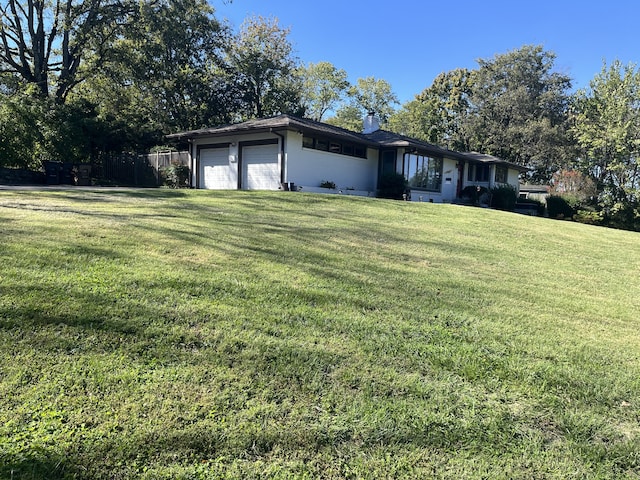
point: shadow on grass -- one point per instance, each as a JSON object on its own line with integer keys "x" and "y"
{"x": 37, "y": 465}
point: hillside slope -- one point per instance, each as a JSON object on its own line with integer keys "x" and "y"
{"x": 191, "y": 334}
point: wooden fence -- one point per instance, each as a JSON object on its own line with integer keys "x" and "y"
{"x": 139, "y": 170}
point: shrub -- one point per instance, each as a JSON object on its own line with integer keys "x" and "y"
{"x": 474, "y": 194}
{"x": 540, "y": 206}
{"x": 559, "y": 207}
{"x": 625, "y": 216}
{"x": 504, "y": 197}
{"x": 590, "y": 217}
{"x": 393, "y": 185}
{"x": 327, "y": 184}
{"x": 175, "y": 175}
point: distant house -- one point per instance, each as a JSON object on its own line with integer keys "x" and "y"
{"x": 287, "y": 152}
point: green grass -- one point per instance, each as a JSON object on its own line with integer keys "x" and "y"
{"x": 189, "y": 334}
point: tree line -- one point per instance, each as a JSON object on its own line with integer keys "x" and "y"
{"x": 80, "y": 78}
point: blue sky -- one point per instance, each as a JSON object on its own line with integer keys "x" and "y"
{"x": 409, "y": 42}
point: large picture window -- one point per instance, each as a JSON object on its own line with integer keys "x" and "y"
{"x": 422, "y": 172}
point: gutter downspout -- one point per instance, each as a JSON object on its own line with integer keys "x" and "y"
{"x": 192, "y": 163}
{"x": 283, "y": 176}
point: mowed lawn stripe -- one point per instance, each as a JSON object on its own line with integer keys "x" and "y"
{"x": 193, "y": 334}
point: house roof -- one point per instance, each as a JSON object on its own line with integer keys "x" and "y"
{"x": 280, "y": 122}
{"x": 377, "y": 139}
{"x": 490, "y": 159}
{"x": 385, "y": 138}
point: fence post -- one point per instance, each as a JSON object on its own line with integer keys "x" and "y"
{"x": 157, "y": 168}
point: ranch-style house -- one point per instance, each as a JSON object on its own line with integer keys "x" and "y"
{"x": 287, "y": 152}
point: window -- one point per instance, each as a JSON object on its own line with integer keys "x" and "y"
{"x": 478, "y": 172}
{"x": 333, "y": 146}
{"x": 308, "y": 142}
{"x": 502, "y": 174}
{"x": 322, "y": 144}
{"x": 424, "y": 173}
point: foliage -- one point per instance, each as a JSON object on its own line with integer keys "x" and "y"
{"x": 561, "y": 206}
{"x": 349, "y": 116}
{"x": 323, "y": 87}
{"x": 540, "y": 206}
{"x": 36, "y": 129}
{"x": 519, "y": 110}
{"x": 367, "y": 95}
{"x": 504, "y": 197}
{"x": 393, "y": 185}
{"x": 438, "y": 114}
{"x": 589, "y": 216}
{"x": 167, "y": 75}
{"x": 606, "y": 125}
{"x": 261, "y": 57}
{"x": 20, "y": 136}
{"x": 176, "y": 175}
{"x": 337, "y": 337}
{"x": 327, "y": 184}
{"x": 475, "y": 195}
{"x": 575, "y": 183}
{"x": 54, "y": 46}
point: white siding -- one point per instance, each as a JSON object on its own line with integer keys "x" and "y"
{"x": 309, "y": 167}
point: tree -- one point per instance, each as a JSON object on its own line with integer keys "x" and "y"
{"x": 520, "y": 111}
{"x": 437, "y": 115}
{"x": 606, "y": 125}
{"x": 167, "y": 75}
{"x": 367, "y": 95}
{"x": 262, "y": 59}
{"x": 323, "y": 87}
{"x": 46, "y": 43}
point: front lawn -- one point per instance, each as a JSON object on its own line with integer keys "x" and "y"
{"x": 191, "y": 334}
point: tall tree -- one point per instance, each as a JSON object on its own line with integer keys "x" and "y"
{"x": 606, "y": 125}
{"x": 438, "y": 114}
{"x": 45, "y": 42}
{"x": 265, "y": 67}
{"x": 520, "y": 110}
{"x": 367, "y": 95}
{"x": 323, "y": 87}
{"x": 168, "y": 73}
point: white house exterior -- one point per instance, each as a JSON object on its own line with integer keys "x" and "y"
{"x": 286, "y": 152}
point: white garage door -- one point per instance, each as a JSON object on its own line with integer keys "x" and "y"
{"x": 215, "y": 170}
{"x": 260, "y": 167}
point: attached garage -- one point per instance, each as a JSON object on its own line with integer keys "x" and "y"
{"x": 260, "y": 167}
{"x": 216, "y": 172}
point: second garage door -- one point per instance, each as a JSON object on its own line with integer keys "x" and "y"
{"x": 260, "y": 169}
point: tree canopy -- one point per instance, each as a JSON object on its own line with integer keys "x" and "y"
{"x": 46, "y": 44}
{"x": 606, "y": 125}
{"x": 324, "y": 86}
{"x": 262, "y": 59}
{"x": 368, "y": 95}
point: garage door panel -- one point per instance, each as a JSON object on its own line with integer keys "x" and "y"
{"x": 261, "y": 170}
{"x": 215, "y": 170}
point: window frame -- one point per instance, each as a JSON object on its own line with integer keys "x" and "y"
{"x": 503, "y": 172}
{"x": 330, "y": 145}
{"x": 429, "y": 168}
